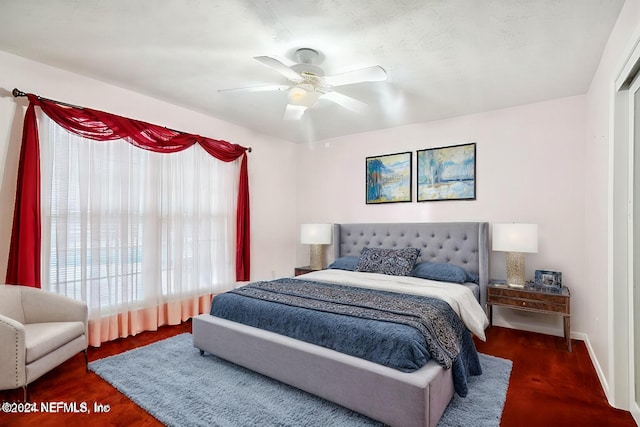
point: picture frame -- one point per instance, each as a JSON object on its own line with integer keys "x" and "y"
{"x": 446, "y": 173}
{"x": 388, "y": 178}
{"x": 548, "y": 278}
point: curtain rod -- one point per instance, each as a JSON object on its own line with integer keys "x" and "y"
{"x": 18, "y": 93}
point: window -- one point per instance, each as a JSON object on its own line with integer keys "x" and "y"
{"x": 126, "y": 228}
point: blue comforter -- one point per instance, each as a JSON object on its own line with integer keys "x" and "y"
{"x": 383, "y": 327}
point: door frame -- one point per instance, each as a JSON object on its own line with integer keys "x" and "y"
{"x": 625, "y": 236}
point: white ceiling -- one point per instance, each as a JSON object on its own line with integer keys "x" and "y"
{"x": 444, "y": 58}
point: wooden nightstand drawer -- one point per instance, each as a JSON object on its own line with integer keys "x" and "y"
{"x": 527, "y": 299}
{"x": 531, "y": 304}
{"x": 528, "y": 295}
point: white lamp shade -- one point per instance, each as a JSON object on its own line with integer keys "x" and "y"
{"x": 515, "y": 237}
{"x": 316, "y": 234}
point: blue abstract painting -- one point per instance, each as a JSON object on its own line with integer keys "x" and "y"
{"x": 447, "y": 173}
{"x": 388, "y": 178}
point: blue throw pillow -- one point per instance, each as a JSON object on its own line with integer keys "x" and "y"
{"x": 443, "y": 272}
{"x": 395, "y": 262}
{"x": 348, "y": 263}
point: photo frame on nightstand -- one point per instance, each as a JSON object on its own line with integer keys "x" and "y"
{"x": 548, "y": 278}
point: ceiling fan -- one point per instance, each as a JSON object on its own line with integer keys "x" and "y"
{"x": 308, "y": 83}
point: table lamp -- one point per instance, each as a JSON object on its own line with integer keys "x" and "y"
{"x": 316, "y": 235}
{"x": 515, "y": 240}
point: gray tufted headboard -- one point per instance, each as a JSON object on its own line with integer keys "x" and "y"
{"x": 465, "y": 244}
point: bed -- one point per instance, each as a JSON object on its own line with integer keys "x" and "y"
{"x": 393, "y": 396}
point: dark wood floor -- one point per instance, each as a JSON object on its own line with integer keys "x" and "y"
{"x": 549, "y": 386}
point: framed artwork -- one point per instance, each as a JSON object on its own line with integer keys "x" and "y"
{"x": 548, "y": 278}
{"x": 388, "y": 178}
{"x": 447, "y": 173}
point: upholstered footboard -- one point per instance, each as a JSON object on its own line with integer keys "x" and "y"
{"x": 393, "y": 397}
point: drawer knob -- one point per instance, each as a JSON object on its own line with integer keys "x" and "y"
{"x": 524, "y": 303}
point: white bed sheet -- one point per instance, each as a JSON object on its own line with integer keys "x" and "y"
{"x": 460, "y": 298}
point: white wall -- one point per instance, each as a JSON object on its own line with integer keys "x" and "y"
{"x": 530, "y": 168}
{"x": 272, "y": 205}
{"x": 606, "y": 187}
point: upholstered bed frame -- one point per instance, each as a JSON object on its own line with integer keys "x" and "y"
{"x": 393, "y": 397}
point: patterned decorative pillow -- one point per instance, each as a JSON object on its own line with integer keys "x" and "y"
{"x": 345, "y": 263}
{"x": 443, "y": 272}
{"x": 395, "y": 262}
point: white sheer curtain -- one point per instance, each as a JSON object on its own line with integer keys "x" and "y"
{"x": 143, "y": 238}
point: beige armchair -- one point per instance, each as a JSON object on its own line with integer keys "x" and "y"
{"x": 38, "y": 331}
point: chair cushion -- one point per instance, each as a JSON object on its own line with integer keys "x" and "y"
{"x": 43, "y": 338}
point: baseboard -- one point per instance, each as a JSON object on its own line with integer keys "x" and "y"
{"x": 529, "y": 327}
{"x": 594, "y": 361}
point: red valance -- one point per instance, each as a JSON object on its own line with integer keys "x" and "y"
{"x": 24, "y": 254}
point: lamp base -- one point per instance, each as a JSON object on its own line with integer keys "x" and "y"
{"x": 515, "y": 269}
{"x": 316, "y": 256}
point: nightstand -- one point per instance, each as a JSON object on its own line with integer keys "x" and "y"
{"x": 303, "y": 270}
{"x": 533, "y": 299}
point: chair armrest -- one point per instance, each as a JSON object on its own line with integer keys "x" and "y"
{"x": 12, "y": 354}
{"x": 42, "y": 306}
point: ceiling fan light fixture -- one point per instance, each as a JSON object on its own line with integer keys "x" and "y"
{"x": 307, "y": 82}
{"x": 304, "y": 97}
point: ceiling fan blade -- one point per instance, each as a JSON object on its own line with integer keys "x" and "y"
{"x": 370, "y": 74}
{"x": 345, "y": 101}
{"x": 294, "y": 112}
{"x": 265, "y": 88}
{"x": 278, "y": 66}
